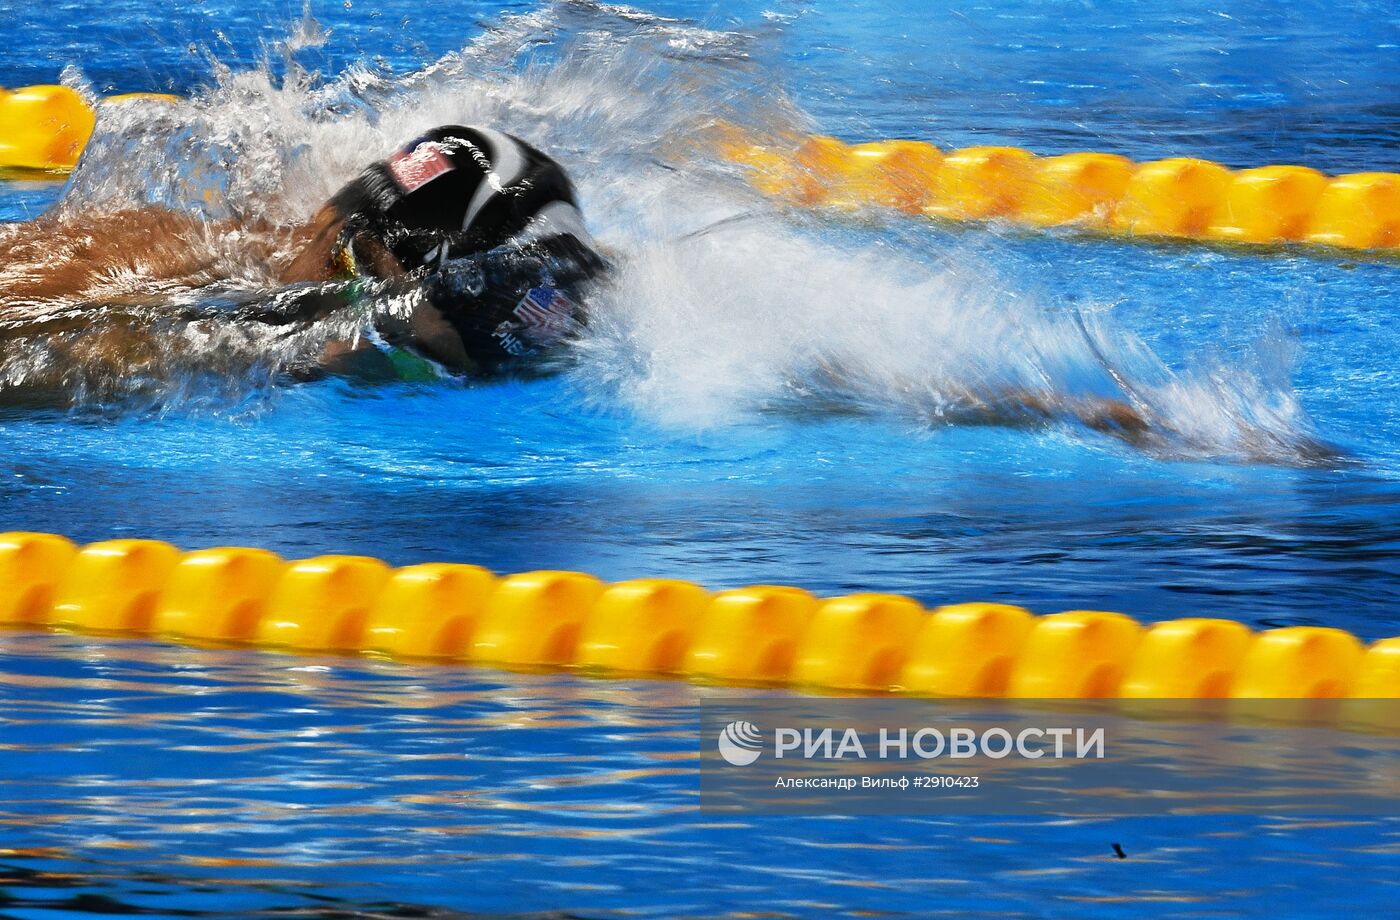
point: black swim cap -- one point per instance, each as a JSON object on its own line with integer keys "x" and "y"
{"x": 453, "y": 192}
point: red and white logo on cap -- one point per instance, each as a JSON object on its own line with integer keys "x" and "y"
{"x": 415, "y": 168}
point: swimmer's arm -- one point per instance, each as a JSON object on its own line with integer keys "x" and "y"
{"x": 102, "y": 256}
{"x": 1108, "y": 416}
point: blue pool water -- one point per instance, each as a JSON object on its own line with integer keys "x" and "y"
{"x": 698, "y": 432}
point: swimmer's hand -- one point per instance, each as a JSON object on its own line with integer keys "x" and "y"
{"x": 316, "y": 260}
{"x": 362, "y": 362}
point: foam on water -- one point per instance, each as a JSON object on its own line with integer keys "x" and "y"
{"x": 725, "y": 304}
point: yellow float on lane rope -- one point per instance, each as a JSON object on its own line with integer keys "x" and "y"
{"x": 869, "y": 643}
{"x": 1178, "y": 197}
{"x": 43, "y": 127}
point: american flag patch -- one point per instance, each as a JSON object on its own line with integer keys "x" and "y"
{"x": 546, "y": 314}
{"x": 415, "y": 168}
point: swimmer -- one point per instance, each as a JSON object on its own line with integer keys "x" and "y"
{"x": 481, "y": 227}
{"x": 484, "y": 225}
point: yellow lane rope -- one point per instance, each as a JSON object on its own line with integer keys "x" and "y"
{"x": 772, "y": 635}
{"x": 44, "y": 128}
{"x": 1096, "y": 192}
